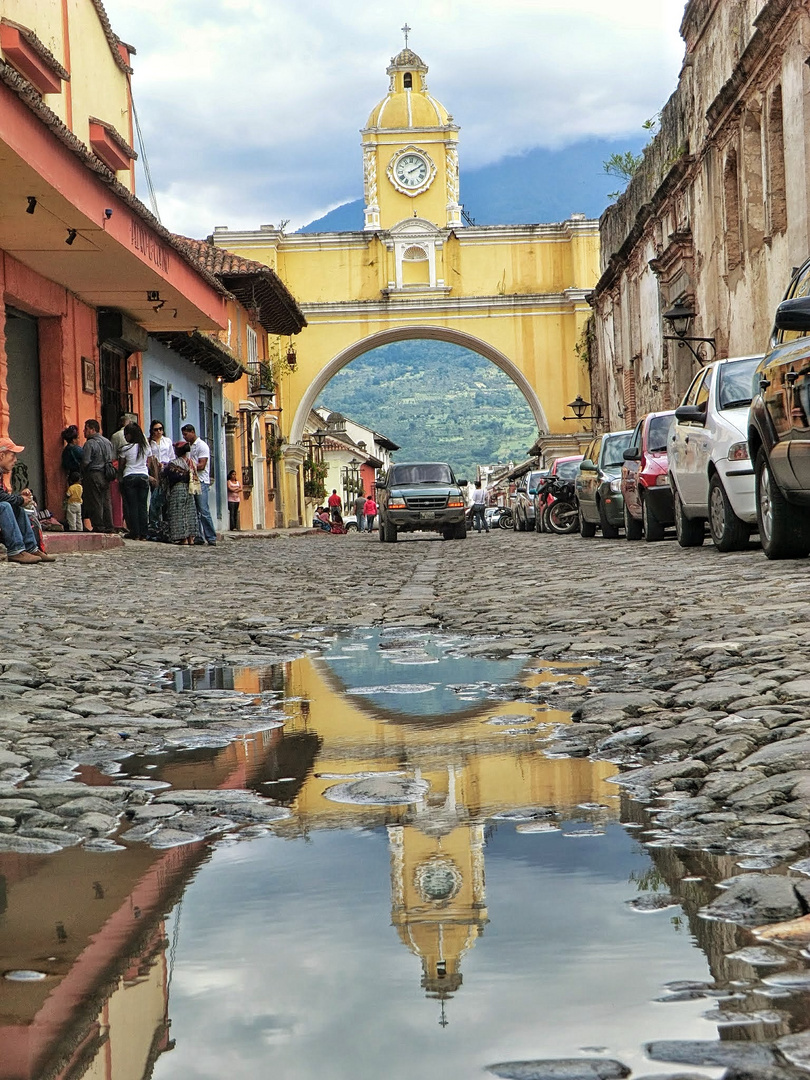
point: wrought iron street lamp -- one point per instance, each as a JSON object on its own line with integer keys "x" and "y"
{"x": 292, "y": 357}
{"x": 579, "y": 407}
{"x": 680, "y": 317}
{"x": 262, "y": 397}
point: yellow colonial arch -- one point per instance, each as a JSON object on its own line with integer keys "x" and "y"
{"x": 515, "y": 294}
{"x": 410, "y": 333}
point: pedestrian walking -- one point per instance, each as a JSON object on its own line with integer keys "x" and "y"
{"x": 370, "y": 512}
{"x": 98, "y": 469}
{"x": 360, "y": 511}
{"x": 73, "y": 502}
{"x": 135, "y": 463}
{"x": 335, "y": 504}
{"x": 234, "y": 500}
{"x": 200, "y": 455}
{"x": 479, "y": 508}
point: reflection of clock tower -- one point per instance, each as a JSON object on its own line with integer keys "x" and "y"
{"x": 437, "y": 889}
{"x": 410, "y": 155}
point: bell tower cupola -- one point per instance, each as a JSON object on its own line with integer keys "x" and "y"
{"x": 410, "y": 151}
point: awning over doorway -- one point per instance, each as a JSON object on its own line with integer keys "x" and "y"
{"x": 66, "y": 216}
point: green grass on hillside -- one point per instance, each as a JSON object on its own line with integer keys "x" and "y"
{"x": 438, "y": 401}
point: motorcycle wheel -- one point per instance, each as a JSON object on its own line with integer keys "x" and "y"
{"x": 506, "y": 520}
{"x": 563, "y": 517}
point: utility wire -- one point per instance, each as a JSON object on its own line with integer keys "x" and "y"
{"x": 144, "y": 160}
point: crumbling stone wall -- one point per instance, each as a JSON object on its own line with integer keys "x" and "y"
{"x": 717, "y": 214}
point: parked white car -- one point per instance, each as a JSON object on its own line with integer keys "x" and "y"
{"x": 711, "y": 474}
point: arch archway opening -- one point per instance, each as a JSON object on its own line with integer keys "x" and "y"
{"x": 526, "y": 401}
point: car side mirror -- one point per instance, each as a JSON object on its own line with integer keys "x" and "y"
{"x": 690, "y": 414}
{"x": 587, "y": 466}
{"x": 633, "y": 454}
{"x": 463, "y": 483}
{"x": 794, "y": 315}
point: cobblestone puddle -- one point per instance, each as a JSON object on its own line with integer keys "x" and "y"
{"x": 439, "y": 896}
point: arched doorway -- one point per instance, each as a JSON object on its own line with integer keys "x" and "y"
{"x": 406, "y": 333}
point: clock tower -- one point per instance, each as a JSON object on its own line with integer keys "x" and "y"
{"x": 410, "y": 152}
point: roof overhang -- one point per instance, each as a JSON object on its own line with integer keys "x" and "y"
{"x": 119, "y": 253}
{"x": 206, "y": 352}
{"x": 278, "y": 311}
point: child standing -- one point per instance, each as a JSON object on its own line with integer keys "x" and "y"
{"x": 74, "y": 503}
{"x": 234, "y": 498}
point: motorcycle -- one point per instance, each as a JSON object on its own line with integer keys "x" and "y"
{"x": 560, "y": 516}
{"x": 505, "y": 519}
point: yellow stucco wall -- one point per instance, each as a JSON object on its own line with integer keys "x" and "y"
{"x": 97, "y": 86}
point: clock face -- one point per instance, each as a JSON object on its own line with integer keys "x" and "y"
{"x": 411, "y": 170}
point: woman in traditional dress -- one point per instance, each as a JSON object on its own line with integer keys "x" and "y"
{"x": 181, "y": 508}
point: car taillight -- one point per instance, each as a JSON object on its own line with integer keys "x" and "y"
{"x": 738, "y": 451}
{"x": 662, "y": 480}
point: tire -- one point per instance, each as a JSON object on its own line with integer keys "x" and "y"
{"x": 586, "y": 528}
{"x": 381, "y": 531}
{"x": 520, "y": 525}
{"x": 633, "y": 529}
{"x": 448, "y": 532}
{"x": 563, "y": 517}
{"x": 783, "y": 529}
{"x": 351, "y": 527}
{"x": 653, "y": 529}
{"x": 460, "y": 531}
{"x": 728, "y": 533}
{"x": 538, "y": 521}
{"x": 690, "y": 532}
{"x": 507, "y": 521}
{"x": 610, "y": 532}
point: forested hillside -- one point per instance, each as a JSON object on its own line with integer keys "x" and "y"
{"x": 438, "y": 401}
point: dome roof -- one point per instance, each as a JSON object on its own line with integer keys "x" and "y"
{"x": 408, "y": 103}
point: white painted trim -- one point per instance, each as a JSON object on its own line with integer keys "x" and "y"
{"x": 409, "y": 333}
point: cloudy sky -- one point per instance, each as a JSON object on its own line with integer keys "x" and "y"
{"x": 251, "y": 109}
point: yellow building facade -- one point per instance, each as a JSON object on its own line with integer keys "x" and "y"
{"x": 515, "y": 294}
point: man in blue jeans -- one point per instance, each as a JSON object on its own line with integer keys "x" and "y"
{"x": 15, "y": 527}
{"x": 201, "y": 456}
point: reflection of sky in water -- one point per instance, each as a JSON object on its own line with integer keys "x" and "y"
{"x": 287, "y": 964}
{"x": 412, "y": 673}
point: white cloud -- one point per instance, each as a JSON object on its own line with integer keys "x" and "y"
{"x": 251, "y": 111}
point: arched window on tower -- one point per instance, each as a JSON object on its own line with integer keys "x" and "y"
{"x": 415, "y": 266}
{"x": 408, "y": 80}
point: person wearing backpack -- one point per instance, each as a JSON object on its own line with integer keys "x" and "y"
{"x": 98, "y": 469}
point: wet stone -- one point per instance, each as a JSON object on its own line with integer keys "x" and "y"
{"x": 719, "y": 1054}
{"x": 384, "y": 790}
{"x": 561, "y": 1069}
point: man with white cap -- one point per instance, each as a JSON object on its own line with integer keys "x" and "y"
{"x": 15, "y": 528}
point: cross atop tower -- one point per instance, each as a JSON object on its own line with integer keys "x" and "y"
{"x": 406, "y": 30}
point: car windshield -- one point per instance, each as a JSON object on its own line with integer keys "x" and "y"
{"x": 421, "y": 474}
{"x": 658, "y": 434}
{"x": 613, "y": 448}
{"x": 567, "y": 470}
{"x": 534, "y": 482}
{"x": 736, "y": 386}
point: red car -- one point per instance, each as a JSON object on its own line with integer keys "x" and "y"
{"x": 564, "y": 467}
{"x": 648, "y": 506}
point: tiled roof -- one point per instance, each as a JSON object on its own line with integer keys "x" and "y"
{"x": 33, "y": 100}
{"x": 252, "y": 283}
{"x": 112, "y": 38}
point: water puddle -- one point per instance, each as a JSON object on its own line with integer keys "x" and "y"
{"x": 422, "y": 885}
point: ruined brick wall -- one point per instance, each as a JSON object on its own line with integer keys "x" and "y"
{"x": 717, "y": 214}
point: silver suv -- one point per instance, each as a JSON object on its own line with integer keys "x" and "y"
{"x": 524, "y": 508}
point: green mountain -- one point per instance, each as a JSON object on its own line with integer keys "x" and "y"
{"x": 440, "y": 402}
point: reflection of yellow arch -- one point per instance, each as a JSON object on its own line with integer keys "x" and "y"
{"x": 409, "y": 333}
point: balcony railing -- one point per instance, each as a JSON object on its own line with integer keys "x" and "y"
{"x": 260, "y": 376}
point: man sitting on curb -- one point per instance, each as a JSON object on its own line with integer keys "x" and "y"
{"x": 15, "y": 528}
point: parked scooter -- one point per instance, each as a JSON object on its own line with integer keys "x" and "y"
{"x": 505, "y": 519}
{"x": 561, "y": 515}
